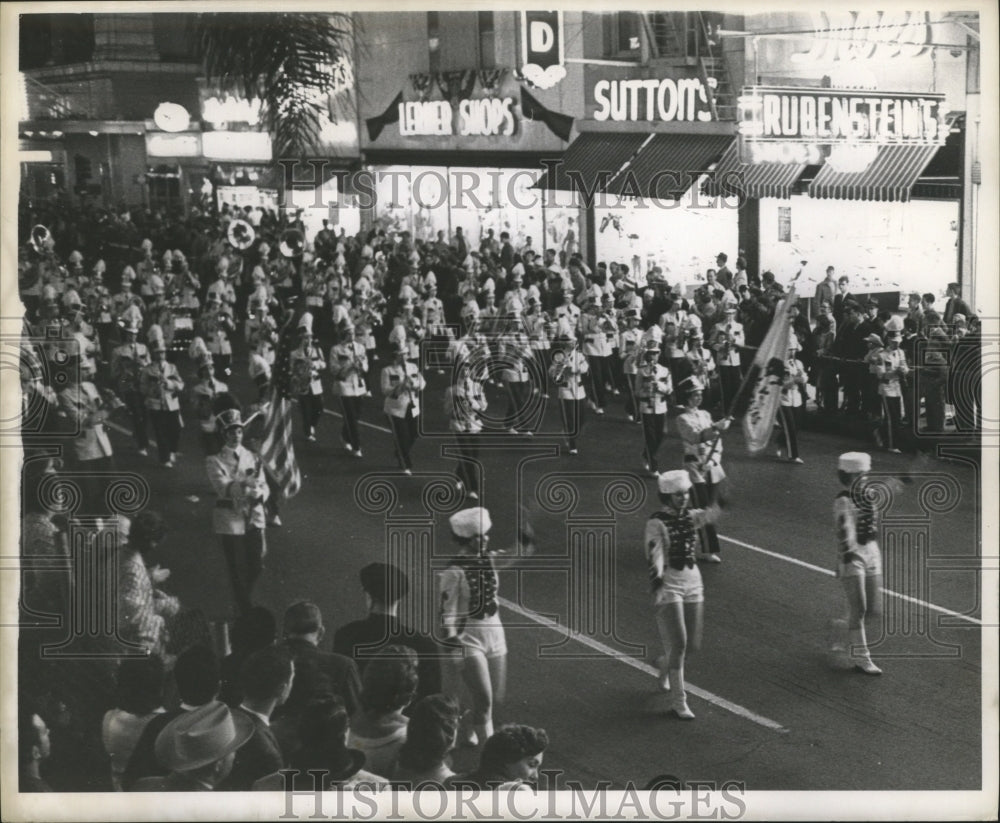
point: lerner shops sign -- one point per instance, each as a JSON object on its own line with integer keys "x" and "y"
{"x": 487, "y": 117}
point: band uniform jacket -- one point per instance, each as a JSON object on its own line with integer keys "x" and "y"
{"x": 517, "y": 351}
{"x": 348, "y": 366}
{"x": 690, "y": 425}
{"x": 653, "y": 386}
{"x": 462, "y": 403}
{"x": 890, "y": 368}
{"x": 570, "y": 376}
{"x": 306, "y": 365}
{"x": 628, "y": 349}
{"x": 160, "y": 384}
{"x": 82, "y": 407}
{"x": 127, "y": 362}
{"x": 397, "y": 398}
{"x": 237, "y": 478}
{"x": 726, "y": 341}
{"x": 205, "y": 392}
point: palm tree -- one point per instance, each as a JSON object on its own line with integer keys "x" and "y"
{"x": 291, "y": 62}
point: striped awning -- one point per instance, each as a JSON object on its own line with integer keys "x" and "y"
{"x": 669, "y": 164}
{"x": 591, "y": 160}
{"x": 891, "y": 176}
{"x": 751, "y": 179}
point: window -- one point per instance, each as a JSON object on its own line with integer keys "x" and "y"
{"x": 487, "y": 41}
{"x": 433, "y": 42}
{"x": 621, "y": 34}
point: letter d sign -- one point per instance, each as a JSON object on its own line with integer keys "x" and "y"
{"x": 542, "y": 37}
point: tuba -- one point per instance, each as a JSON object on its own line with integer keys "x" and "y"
{"x": 292, "y": 244}
{"x": 240, "y": 234}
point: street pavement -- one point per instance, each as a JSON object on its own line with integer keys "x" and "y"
{"x": 772, "y": 712}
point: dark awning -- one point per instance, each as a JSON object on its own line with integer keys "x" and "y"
{"x": 751, "y": 179}
{"x": 890, "y": 176}
{"x": 593, "y": 158}
{"x": 670, "y": 164}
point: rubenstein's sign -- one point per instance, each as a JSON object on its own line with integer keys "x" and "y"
{"x": 807, "y": 119}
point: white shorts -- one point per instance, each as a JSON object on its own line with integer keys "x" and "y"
{"x": 867, "y": 562}
{"x": 681, "y": 586}
{"x": 485, "y": 637}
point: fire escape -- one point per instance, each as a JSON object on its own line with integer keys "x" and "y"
{"x": 687, "y": 37}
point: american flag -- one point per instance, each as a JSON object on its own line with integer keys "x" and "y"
{"x": 277, "y": 451}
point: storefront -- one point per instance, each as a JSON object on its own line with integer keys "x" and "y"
{"x": 648, "y": 138}
{"x": 859, "y": 163}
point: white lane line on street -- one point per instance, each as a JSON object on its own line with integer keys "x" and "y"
{"x": 721, "y": 702}
{"x": 733, "y": 540}
{"x": 360, "y": 422}
{"x": 829, "y": 573}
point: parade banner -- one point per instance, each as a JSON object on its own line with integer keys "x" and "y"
{"x": 767, "y": 375}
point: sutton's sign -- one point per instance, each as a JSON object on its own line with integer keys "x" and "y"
{"x": 839, "y": 117}
{"x": 654, "y": 100}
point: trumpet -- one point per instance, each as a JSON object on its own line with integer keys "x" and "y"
{"x": 560, "y": 366}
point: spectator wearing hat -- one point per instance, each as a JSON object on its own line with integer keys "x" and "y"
{"x": 792, "y": 382}
{"x": 323, "y": 761}
{"x": 266, "y": 679}
{"x": 402, "y": 385}
{"x": 470, "y": 617}
{"x": 870, "y": 403}
{"x": 306, "y": 365}
{"x": 199, "y": 748}
{"x": 567, "y": 371}
{"x": 726, "y": 340}
{"x": 127, "y": 362}
{"x": 237, "y": 478}
{"x": 140, "y": 697}
{"x": 702, "y": 441}
{"x": 511, "y": 758}
{"x": 384, "y": 586}
{"x": 678, "y": 591}
{"x": 859, "y": 561}
{"x": 161, "y": 383}
{"x": 378, "y": 727}
{"x": 431, "y": 735}
{"x": 196, "y": 676}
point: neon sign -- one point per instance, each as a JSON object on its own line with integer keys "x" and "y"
{"x": 866, "y": 35}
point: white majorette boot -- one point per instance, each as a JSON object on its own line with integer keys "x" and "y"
{"x": 860, "y": 655}
{"x": 663, "y": 679}
{"x": 678, "y": 694}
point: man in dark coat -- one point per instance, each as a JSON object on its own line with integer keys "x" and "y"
{"x": 384, "y": 586}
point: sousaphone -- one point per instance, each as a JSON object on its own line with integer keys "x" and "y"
{"x": 241, "y": 234}
{"x": 292, "y": 244}
{"x": 40, "y": 238}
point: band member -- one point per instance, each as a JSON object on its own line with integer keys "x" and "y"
{"x": 464, "y": 403}
{"x": 568, "y": 311}
{"x": 127, "y": 362}
{"x": 161, "y": 384}
{"x": 859, "y": 561}
{"x": 214, "y": 326}
{"x": 348, "y": 367}
{"x": 222, "y": 288}
{"x": 432, "y": 314}
{"x": 592, "y": 327}
{"x": 678, "y": 591}
{"x": 516, "y": 356}
{"x": 891, "y": 370}
{"x": 306, "y": 365}
{"x": 205, "y": 391}
{"x": 698, "y": 360}
{"x": 727, "y": 338}
{"x": 402, "y": 384}
{"x": 791, "y": 400}
{"x": 84, "y": 411}
{"x": 653, "y": 387}
{"x": 470, "y": 309}
{"x": 237, "y": 477}
{"x": 629, "y": 350}
{"x": 567, "y": 371}
{"x": 702, "y": 456}
{"x": 539, "y": 328}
